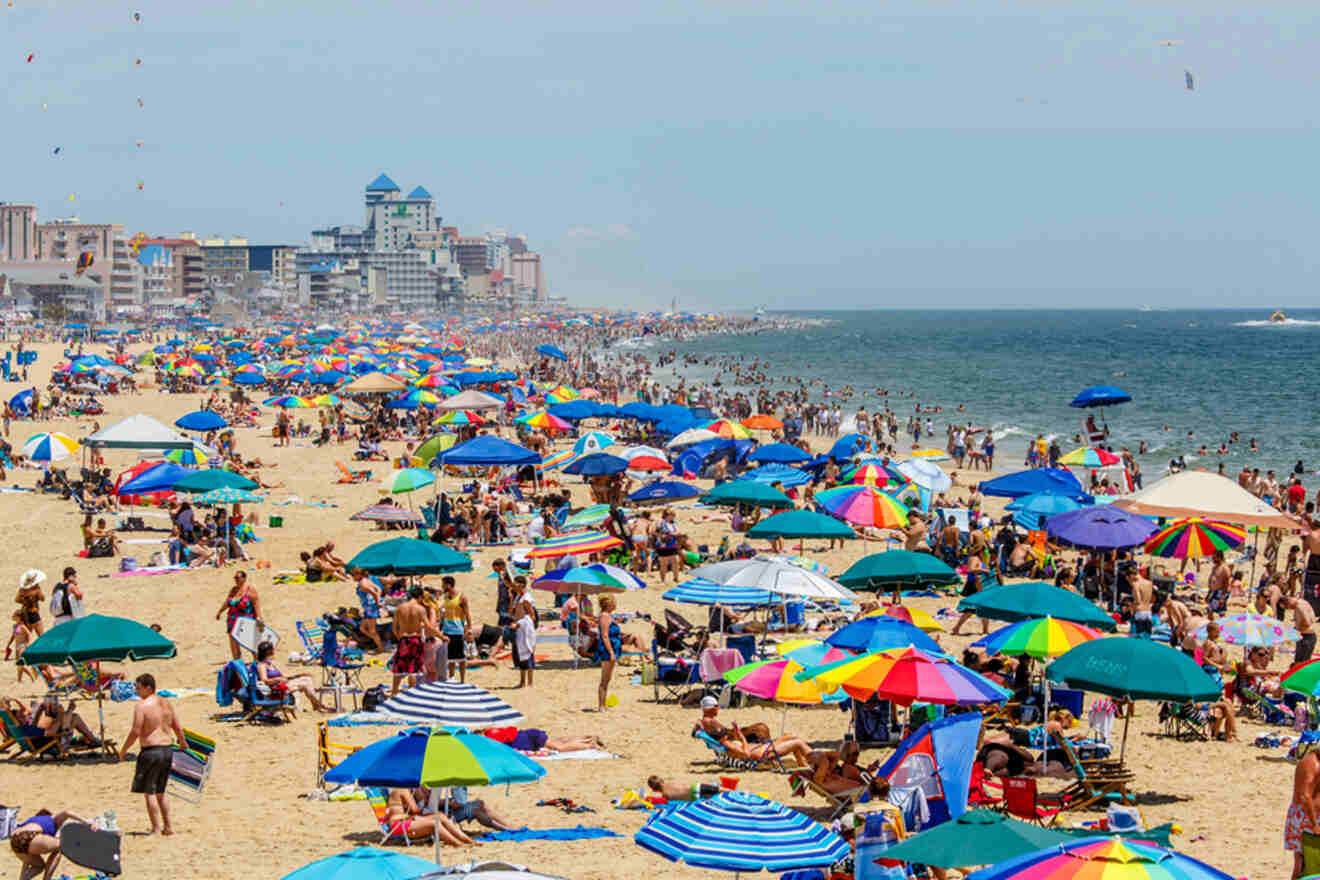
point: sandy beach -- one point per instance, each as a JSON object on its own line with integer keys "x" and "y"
{"x": 256, "y": 820}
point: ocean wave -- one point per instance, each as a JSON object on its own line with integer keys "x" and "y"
{"x": 1286, "y": 322}
{"x": 1003, "y": 430}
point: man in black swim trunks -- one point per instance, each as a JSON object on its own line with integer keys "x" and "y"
{"x": 157, "y": 726}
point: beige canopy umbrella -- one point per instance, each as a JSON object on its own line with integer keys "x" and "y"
{"x": 470, "y": 399}
{"x": 1201, "y": 493}
{"x": 373, "y": 383}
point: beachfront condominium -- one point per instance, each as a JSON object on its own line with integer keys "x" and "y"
{"x": 18, "y": 233}
{"x": 113, "y": 264}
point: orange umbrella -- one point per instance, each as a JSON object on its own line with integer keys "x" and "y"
{"x": 762, "y": 422}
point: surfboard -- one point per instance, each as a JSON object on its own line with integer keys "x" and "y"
{"x": 250, "y": 633}
{"x": 84, "y": 845}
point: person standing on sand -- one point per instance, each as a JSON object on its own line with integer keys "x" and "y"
{"x": 1304, "y": 623}
{"x": 157, "y": 726}
{"x": 1302, "y": 812}
{"x": 410, "y": 619}
{"x": 1143, "y": 600}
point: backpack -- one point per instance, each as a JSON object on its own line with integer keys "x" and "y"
{"x": 61, "y": 603}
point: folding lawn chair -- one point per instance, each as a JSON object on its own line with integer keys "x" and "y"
{"x": 800, "y": 782}
{"x": 311, "y": 632}
{"x": 983, "y": 790}
{"x": 1269, "y": 711}
{"x": 725, "y": 759}
{"x": 190, "y": 768}
{"x": 1022, "y": 800}
{"x": 1184, "y": 721}
{"x": 389, "y": 831}
{"x": 349, "y": 476}
{"x": 674, "y": 676}
{"x": 328, "y": 754}
{"x": 338, "y": 675}
{"x": 239, "y": 681}
{"x": 1100, "y": 781}
{"x": 36, "y": 745}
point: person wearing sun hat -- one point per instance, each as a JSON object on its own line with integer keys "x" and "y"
{"x": 29, "y": 599}
{"x": 1302, "y": 812}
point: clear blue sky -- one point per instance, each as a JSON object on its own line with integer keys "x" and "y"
{"x": 849, "y": 155}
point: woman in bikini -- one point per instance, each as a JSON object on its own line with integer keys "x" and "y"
{"x": 401, "y": 810}
{"x": 242, "y": 601}
{"x": 738, "y": 746}
{"x": 29, "y": 599}
{"x": 36, "y": 842}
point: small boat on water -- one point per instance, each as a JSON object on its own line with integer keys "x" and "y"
{"x": 1278, "y": 318}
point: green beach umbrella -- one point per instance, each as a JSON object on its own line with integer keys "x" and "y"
{"x": 407, "y": 480}
{"x": 1012, "y": 602}
{"x": 97, "y": 637}
{"x": 409, "y": 556}
{"x": 1133, "y": 669}
{"x": 205, "y": 481}
{"x": 801, "y": 524}
{"x": 898, "y": 568}
{"x": 588, "y": 516}
{"x": 1304, "y": 678}
{"x": 978, "y": 837}
{"x": 433, "y": 447}
{"x": 747, "y": 492}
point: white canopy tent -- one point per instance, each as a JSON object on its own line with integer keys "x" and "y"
{"x": 1201, "y": 493}
{"x": 138, "y": 432}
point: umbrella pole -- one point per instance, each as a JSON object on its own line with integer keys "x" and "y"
{"x": 1127, "y": 719}
{"x": 577, "y": 627}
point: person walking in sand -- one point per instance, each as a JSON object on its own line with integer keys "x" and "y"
{"x": 411, "y": 620}
{"x": 157, "y": 727}
{"x": 1302, "y": 812}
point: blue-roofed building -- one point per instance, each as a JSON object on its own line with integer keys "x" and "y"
{"x": 419, "y": 193}
{"x": 382, "y": 184}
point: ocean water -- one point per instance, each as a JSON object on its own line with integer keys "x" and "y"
{"x": 1210, "y": 372}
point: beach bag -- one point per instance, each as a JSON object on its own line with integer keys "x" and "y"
{"x": 100, "y": 548}
{"x": 1123, "y": 819}
{"x": 373, "y": 697}
{"x": 8, "y": 821}
{"x": 128, "y": 563}
{"x": 649, "y": 671}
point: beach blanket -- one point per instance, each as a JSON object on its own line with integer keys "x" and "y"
{"x": 365, "y": 719}
{"x": 584, "y": 755}
{"x": 581, "y": 832}
{"x": 165, "y": 569}
{"x": 11, "y": 489}
{"x": 144, "y": 540}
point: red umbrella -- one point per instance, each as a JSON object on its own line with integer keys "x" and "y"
{"x": 648, "y": 463}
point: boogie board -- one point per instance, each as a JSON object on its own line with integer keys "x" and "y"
{"x": 84, "y": 845}
{"x": 250, "y": 633}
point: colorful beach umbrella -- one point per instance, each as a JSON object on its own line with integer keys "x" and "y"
{"x": 1091, "y": 457}
{"x": 864, "y": 506}
{"x": 922, "y": 620}
{"x": 387, "y": 513}
{"x": 588, "y": 516}
{"x": 194, "y": 456}
{"x": 407, "y": 480}
{"x": 699, "y": 591}
{"x": 559, "y": 459}
{"x": 227, "y": 495}
{"x": 583, "y": 542}
{"x": 727, "y": 429}
{"x": 740, "y": 831}
{"x": 1252, "y": 631}
{"x": 363, "y": 861}
{"x": 773, "y": 680}
{"x": 288, "y": 401}
{"x": 1039, "y": 638}
{"x": 811, "y": 652}
{"x": 1303, "y": 678}
{"x": 50, "y": 447}
{"x": 905, "y": 676}
{"x": 1102, "y": 858}
{"x": 584, "y": 580}
{"x": 459, "y": 417}
{"x": 1195, "y": 537}
{"x": 545, "y": 420}
{"x": 423, "y": 755}
{"x": 762, "y": 422}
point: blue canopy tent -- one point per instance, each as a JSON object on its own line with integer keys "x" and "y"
{"x": 485, "y": 450}
{"x": 160, "y": 478}
{"x": 1056, "y": 481}
{"x": 937, "y": 759}
{"x": 1030, "y": 510}
{"x": 576, "y": 410}
{"x": 699, "y": 455}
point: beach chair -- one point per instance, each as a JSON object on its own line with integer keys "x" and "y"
{"x": 240, "y": 682}
{"x": 724, "y": 759}
{"x": 1101, "y": 781}
{"x": 1022, "y": 800}
{"x": 674, "y": 675}
{"x": 338, "y": 675}
{"x": 191, "y": 767}
{"x": 378, "y": 802}
{"x": 1269, "y": 711}
{"x": 1184, "y": 721}
{"x": 983, "y": 791}
{"x": 348, "y": 476}
{"x": 31, "y": 746}
{"x": 311, "y": 633}
{"x": 800, "y": 782}
{"x": 328, "y": 753}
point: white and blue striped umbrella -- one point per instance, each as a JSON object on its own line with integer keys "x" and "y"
{"x": 740, "y": 831}
{"x": 452, "y": 704}
{"x": 700, "y": 591}
{"x": 50, "y": 447}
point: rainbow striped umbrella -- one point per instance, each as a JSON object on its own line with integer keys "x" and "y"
{"x": 459, "y": 417}
{"x": 50, "y": 447}
{"x": 811, "y": 652}
{"x": 915, "y": 616}
{"x": 1194, "y": 537}
{"x": 288, "y": 401}
{"x": 1090, "y": 456}
{"x": 545, "y": 420}
{"x": 588, "y": 516}
{"x": 728, "y": 429}
{"x": 773, "y": 680}
{"x": 559, "y": 459}
{"x": 326, "y": 400}
{"x": 874, "y": 474}
{"x": 574, "y": 542}
{"x": 1103, "y": 858}
{"x": 195, "y": 455}
{"x": 906, "y": 675}
{"x": 863, "y": 506}
{"x": 1038, "y": 637}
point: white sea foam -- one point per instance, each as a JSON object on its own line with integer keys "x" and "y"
{"x": 1286, "y": 322}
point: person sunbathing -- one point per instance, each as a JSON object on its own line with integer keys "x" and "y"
{"x": 738, "y": 746}
{"x": 681, "y": 791}
{"x": 1002, "y": 757}
{"x": 51, "y": 719}
{"x": 531, "y": 739}
{"x": 460, "y": 808}
{"x": 401, "y": 811}
{"x": 711, "y": 724}
{"x": 838, "y": 771}
{"x": 275, "y": 682}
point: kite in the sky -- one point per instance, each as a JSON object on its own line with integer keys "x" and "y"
{"x": 57, "y": 151}
{"x": 85, "y": 261}
{"x": 30, "y": 57}
{"x": 139, "y": 186}
{"x": 1170, "y": 42}
{"x": 139, "y": 62}
{"x": 139, "y": 102}
{"x": 137, "y": 16}
{"x": 1187, "y": 77}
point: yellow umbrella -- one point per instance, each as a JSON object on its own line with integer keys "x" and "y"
{"x": 915, "y": 616}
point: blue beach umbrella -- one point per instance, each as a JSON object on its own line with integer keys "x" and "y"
{"x": 553, "y": 351}
{"x": 881, "y": 633}
{"x": 365, "y": 861}
{"x": 740, "y": 831}
{"x": 1030, "y": 510}
{"x": 779, "y": 453}
{"x": 452, "y": 703}
{"x": 699, "y": 591}
{"x": 784, "y": 475}
{"x": 597, "y": 464}
{"x": 201, "y": 420}
{"x": 1101, "y": 527}
{"x": 1100, "y": 395}
{"x": 664, "y": 491}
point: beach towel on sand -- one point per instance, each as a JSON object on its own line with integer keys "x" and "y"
{"x": 581, "y": 832}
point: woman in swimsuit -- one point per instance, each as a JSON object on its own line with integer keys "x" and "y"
{"x": 242, "y": 601}
{"x": 277, "y": 683}
{"x": 29, "y": 599}
{"x": 401, "y": 811}
{"x": 36, "y": 843}
{"x": 737, "y": 745}
{"x": 609, "y": 644}
{"x": 369, "y": 595}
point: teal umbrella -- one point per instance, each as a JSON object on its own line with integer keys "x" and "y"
{"x": 898, "y": 569}
{"x": 409, "y": 556}
{"x": 227, "y": 495}
{"x": 365, "y": 861}
{"x": 1013, "y": 602}
{"x": 1133, "y": 669}
{"x": 747, "y": 492}
{"x": 97, "y": 637}
{"x": 978, "y": 837}
{"x": 205, "y": 481}
{"x": 801, "y": 524}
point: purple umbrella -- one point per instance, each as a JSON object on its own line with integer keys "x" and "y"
{"x": 1101, "y": 527}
